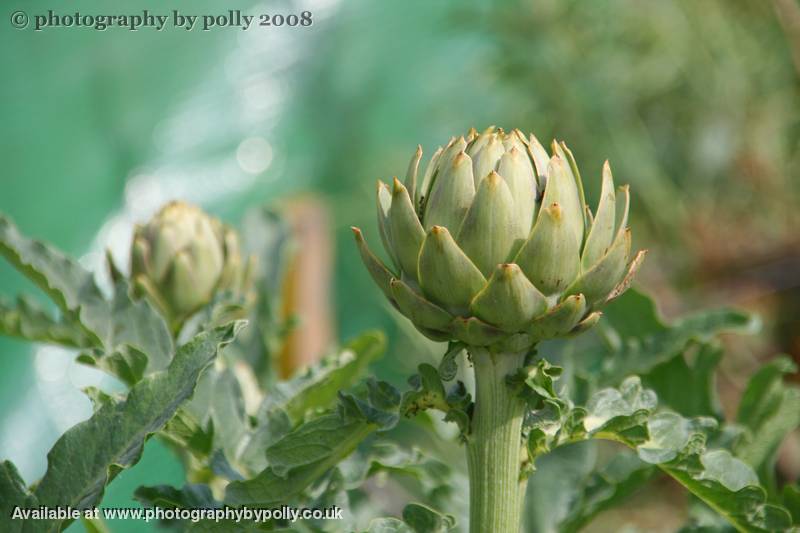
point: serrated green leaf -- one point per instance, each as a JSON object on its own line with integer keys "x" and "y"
{"x": 769, "y": 410}
{"x": 606, "y": 488}
{"x": 13, "y": 494}
{"x": 422, "y": 519}
{"x": 317, "y": 387}
{"x": 674, "y": 444}
{"x": 730, "y": 487}
{"x": 313, "y": 441}
{"x": 188, "y": 497}
{"x": 637, "y": 340}
{"x": 429, "y": 392}
{"x": 228, "y": 414}
{"x": 448, "y": 367}
{"x": 28, "y": 321}
{"x": 388, "y": 457}
{"x": 111, "y": 325}
{"x": 695, "y": 370}
{"x": 305, "y": 454}
{"x": 88, "y": 456}
{"x": 791, "y": 500}
{"x": 555, "y": 486}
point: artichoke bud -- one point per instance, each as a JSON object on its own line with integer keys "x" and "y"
{"x": 182, "y": 257}
{"x": 493, "y": 243}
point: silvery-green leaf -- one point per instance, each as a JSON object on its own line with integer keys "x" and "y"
{"x": 27, "y": 320}
{"x": 418, "y": 309}
{"x": 118, "y": 324}
{"x": 423, "y": 519}
{"x": 302, "y": 456}
{"x": 601, "y": 233}
{"x": 516, "y": 169}
{"x": 446, "y": 274}
{"x": 509, "y": 300}
{"x": 317, "y": 387}
{"x": 13, "y": 493}
{"x": 560, "y": 319}
{"x": 114, "y": 437}
{"x": 769, "y": 410}
{"x": 550, "y": 257}
{"x": 490, "y": 234}
{"x": 452, "y": 194}
{"x": 406, "y": 230}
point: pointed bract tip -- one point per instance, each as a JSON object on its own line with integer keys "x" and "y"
{"x": 438, "y": 230}
{"x": 397, "y": 186}
{"x": 460, "y": 158}
{"x": 606, "y": 166}
{"x": 556, "y": 161}
{"x": 357, "y": 233}
{"x": 493, "y": 178}
{"x": 493, "y": 140}
{"x": 507, "y": 270}
{"x": 554, "y": 210}
{"x": 577, "y": 298}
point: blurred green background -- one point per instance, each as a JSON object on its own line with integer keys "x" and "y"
{"x": 696, "y": 105}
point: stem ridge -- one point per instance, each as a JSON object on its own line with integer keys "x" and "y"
{"x": 493, "y": 450}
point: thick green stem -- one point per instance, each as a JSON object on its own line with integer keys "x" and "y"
{"x": 493, "y": 451}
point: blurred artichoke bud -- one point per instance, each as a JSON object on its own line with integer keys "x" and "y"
{"x": 494, "y": 245}
{"x": 182, "y": 257}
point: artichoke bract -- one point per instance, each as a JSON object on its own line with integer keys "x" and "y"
{"x": 181, "y": 257}
{"x": 493, "y": 244}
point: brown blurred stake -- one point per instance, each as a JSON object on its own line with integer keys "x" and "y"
{"x": 306, "y": 287}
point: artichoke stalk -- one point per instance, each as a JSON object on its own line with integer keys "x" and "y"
{"x": 182, "y": 257}
{"x": 493, "y": 245}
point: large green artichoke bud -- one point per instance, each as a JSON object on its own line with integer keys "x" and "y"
{"x": 182, "y": 256}
{"x": 494, "y": 244}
